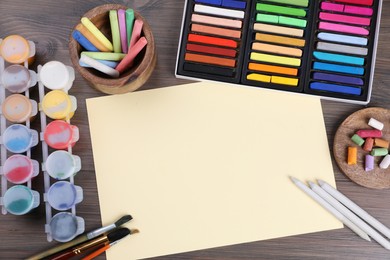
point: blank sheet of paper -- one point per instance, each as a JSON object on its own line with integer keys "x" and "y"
{"x": 206, "y": 165}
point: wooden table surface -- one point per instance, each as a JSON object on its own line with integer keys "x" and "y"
{"x": 49, "y": 23}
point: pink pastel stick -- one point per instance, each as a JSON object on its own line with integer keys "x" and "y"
{"x": 122, "y": 29}
{"x": 365, "y": 133}
{"x": 343, "y": 28}
{"x": 133, "y": 52}
{"x": 345, "y": 19}
{"x": 137, "y": 29}
{"x": 350, "y": 9}
{"x": 332, "y": 7}
{"x": 357, "y": 2}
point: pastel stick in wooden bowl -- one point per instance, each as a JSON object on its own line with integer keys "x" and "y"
{"x": 131, "y": 78}
{"x": 377, "y": 178}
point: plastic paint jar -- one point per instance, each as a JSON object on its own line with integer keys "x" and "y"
{"x": 64, "y": 226}
{"x": 18, "y": 138}
{"x": 15, "y": 49}
{"x": 61, "y": 165}
{"x": 56, "y": 75}
{"x": 17, "y": 78}
{"x": 60, "y": 134}
{"x": 20, "y": 199}
{"x": 57, "y": 104}
{"x": 19, "y": 169}
{"x": 17, "y": 108}
{"x": 63, "y": 195}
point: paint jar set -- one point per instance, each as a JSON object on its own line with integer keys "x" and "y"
{"x": 17, "y": 138}
{"x": 57, "y": 137}
{"x": 59, "y": 165}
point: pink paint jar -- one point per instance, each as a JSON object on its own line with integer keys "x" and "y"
{"x": 19, "y": 169}
{"x": 60, "y": 134}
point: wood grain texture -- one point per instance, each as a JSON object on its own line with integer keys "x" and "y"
{"x": 377, "y": 178}
{"x": 49, "y": 24}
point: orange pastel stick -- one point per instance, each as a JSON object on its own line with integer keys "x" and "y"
{"x": 210, "y": 60}
{"x": 87, "y": 34}
{"x": 215, "y": 31}
{"x": 273, "y": 69}
{"x": 280, "y": 39}
{"x": 352, "y": 155}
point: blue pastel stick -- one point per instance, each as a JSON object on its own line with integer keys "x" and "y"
{"x": 326, "y": 56}
{"x": 210, "y": 2}
{"x": 234, "y": 4}
{"x": 336, "y": 88}
{"x": 79, "y": 37}
{"x": 338, "y": 68}
{"x": 109, "y": 63}
{"x": 338, "y": 78}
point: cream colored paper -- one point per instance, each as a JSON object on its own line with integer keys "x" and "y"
{"x": 206, "y": 165}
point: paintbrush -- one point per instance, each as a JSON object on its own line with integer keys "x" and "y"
{"x": 81, "y": 238}
{"x": 104, "y": 248}
{"x": 102, "y": 240}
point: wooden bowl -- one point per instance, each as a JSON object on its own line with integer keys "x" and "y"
{"x": 129, "y": 80}
{"x": 377, "y": 178}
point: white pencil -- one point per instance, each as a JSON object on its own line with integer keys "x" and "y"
{"x": 331, "y": 209}
{"x": 355, "y": 208}
{"x": 350, "y": 215}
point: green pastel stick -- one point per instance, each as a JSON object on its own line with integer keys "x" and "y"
{"x": 129, "y": 24}
{"x": 281, "y": 10}
{"x": 116, "y": 38}
{"x": 379, "y": 152}
{"x": 357, "y": 140}
{"x": 292, "y": 21}
{"x": 303, "y": 3}
{"x": 267, "y": 18}
{"x": 104, "y": 55}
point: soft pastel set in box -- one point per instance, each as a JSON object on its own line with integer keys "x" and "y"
{"x": 57, "y": 137}
{"x": 322, "y": 48}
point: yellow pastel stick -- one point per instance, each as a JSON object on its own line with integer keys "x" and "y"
{"x": 284, "y": 81}
{"x": 275, "y": 59}
{"x": 98, "y": 34}
{"x": 259, "y": 77}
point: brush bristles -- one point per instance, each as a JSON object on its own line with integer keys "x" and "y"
{"x": 118, "y": 234}
{"x": 123, "y": 220}
{"x": 134, "y": 231}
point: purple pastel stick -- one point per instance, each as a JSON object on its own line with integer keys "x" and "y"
{"x": 122, "y": 29}
{"x": 369, "y": 165}
{"x": 338, "y": 78}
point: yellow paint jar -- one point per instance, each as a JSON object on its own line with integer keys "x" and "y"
{"x": 57, "y": 104}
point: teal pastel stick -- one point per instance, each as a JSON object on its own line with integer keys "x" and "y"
{"x": 129, "y": 24}
{"x": 325, "y": 56}
{"x": 338, "y": 68}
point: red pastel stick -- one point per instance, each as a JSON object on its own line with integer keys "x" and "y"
{"x": 212, "y": 40}
{"x": 133, "y": 52}
{"x": 136, "y": 34}
{"x": 357, "y": 2}
{"x": 365, "y": 133}
{"x": 211, "y": 50}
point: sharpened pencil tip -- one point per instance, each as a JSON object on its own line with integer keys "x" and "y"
{"x": 320, "y": 182}
{"x": 295, "y": 180}
{"x": 311, "y": 184}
